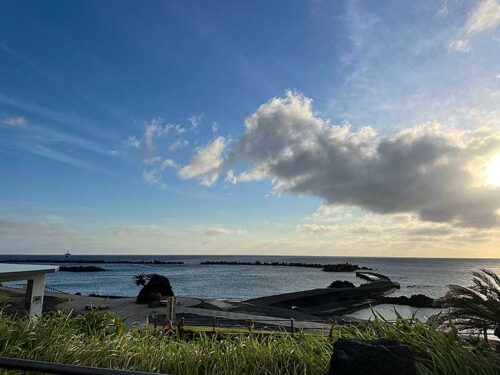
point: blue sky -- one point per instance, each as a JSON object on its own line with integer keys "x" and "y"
{"x": 150, "y": 127}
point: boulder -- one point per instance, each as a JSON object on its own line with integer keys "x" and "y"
{"x": 416, "y": 300}
{"x": 378, "y": 357}
{"x": 343, "y": 267}
{"x": 341, "y": 284}
{"x": 157, "y": 288}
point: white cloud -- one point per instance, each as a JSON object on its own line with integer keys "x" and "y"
{"x": 14, "y": 121}
{"x": 153, "y": 129}
{"x": 132, "y": 142}
{"x": 156, "y": 162}
{"x": 206, "y": 163}
{"x": 355, "y": 228}
{"x": 485, "y": 16}
{"x": 169, "y": 163}
{"x": 141, "y": 230}
{"x": 157, "y": 128}
{"x": 154, "y": 175}
{"x": 178, "y": 144}
{"x": 317, "y": 229}
{"x": 426, "y": 170}
{"x": 218, "y": 231}
{"x": 215, "y": 127}
{"x": 195, "y": 121}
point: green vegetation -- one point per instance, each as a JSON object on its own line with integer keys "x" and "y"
{"x": 102, "y": 340}
{"x": 478, "y": 306}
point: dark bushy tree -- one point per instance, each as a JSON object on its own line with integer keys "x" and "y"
{"x": 155, "y": 287}
{"x": 140, "y": 279}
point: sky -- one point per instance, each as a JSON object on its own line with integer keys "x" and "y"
{"x": 343, "y": 128}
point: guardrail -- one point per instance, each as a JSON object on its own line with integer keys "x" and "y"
{"x": 218, "y": 325}
{"x": 48, "y": 288}
{"x": 54, "y": 290}
{"x": 59, "y": 368}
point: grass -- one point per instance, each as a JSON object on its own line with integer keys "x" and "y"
{"x": 8, "y": 297}
{"x": 101, "y": 340}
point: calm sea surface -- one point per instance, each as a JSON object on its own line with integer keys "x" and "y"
{"x": 416, "y": 275}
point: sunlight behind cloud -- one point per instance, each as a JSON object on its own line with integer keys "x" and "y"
{"x": 492, "y": 172}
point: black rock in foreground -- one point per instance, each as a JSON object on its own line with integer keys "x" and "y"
{"x": 157, "y": 288}
{"x": 379, "y": 357}
{"x": 416, "y": 300}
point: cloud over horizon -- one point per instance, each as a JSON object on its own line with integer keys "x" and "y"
{"x": 426, "y": 170}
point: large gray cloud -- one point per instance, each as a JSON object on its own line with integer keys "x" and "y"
{"x": 423, "y": 170}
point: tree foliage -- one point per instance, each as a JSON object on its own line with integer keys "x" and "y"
{"x": 477, "y": 306}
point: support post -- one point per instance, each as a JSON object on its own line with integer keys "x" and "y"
{"x": 34, "y": 293}
{"x": 29, "y": 292}
{"x": 171, "y": 309}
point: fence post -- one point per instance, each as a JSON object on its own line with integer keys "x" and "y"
{"x": 292, "y": 325}
{"x": 250, "y": 325}
{"x": 332, "y": 328}
{"x": 214, "y": 323}
{"x": 180, "y": 326}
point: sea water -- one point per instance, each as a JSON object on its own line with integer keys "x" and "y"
{"x": 237, "y": 282}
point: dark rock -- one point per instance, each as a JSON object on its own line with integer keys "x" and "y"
{"x": 379, "y": 357}
{"x": 157, "y": 288}
{"x": 81, "y": 269}
{"x": 416, "y": 300}
{"x": 259, "y": 263}
{"x": 343, "y": 267}
{"x": 341, "y": 284}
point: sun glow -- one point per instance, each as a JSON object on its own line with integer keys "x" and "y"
{"x": 492, "y": 172}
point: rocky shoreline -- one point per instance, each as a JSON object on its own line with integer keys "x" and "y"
{"x": 415, "y": 300}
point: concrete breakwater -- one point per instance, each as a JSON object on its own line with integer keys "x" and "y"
{"x": 332, "y": 301}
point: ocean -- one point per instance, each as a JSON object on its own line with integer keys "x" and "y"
{"x": 416, "y": 275}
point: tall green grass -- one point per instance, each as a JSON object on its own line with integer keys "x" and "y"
{"x": 101, "y": 340}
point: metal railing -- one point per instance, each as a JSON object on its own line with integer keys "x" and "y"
{"x": 219, "y": 325}
{"x": 47, "y": 288}
{"x": 54, "y": 290}
{"x": 59, "y": 368}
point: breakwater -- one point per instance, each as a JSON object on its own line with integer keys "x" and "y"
{"x": 93, "y": 261}
{"x": 340, "y": 267}
{"x": 81, "y": 269}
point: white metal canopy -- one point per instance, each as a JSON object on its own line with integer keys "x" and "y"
{"x": 35, "y": 275}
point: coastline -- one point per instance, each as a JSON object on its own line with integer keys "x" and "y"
{"x": 315, "y": 308}
{"x": 416, "y": 276}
